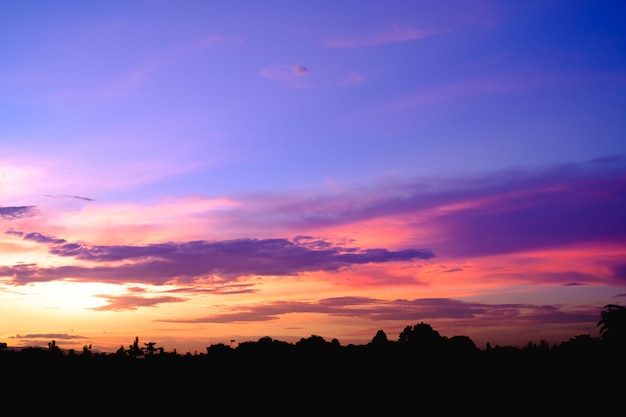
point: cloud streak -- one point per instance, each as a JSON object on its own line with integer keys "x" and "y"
{"x": 392, "y": 35}
{"x": 47, "y": 336}
{"x": 70, "y": 196}
{"x": 401, "y": 310}
{"x": 132, "y": 302}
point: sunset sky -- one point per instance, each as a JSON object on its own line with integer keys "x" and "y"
{"x": 201, "y": 172}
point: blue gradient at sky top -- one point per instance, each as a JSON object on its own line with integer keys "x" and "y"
{"x": 244, "y": 96}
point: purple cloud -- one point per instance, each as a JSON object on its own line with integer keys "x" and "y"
{"x": 18, "y": 212}
{"x": 14, "y": 233}
{"x": 493, "y": 213}
{"x": 189, "y": 261}
{"x": 38, "y": 237}
{"x": 548, "y": 216}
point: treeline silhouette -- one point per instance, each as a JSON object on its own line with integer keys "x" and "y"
{"x": 384, "y": 374}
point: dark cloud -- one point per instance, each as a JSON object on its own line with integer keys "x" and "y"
{"x": 16, "y": 212}
{"x": 190, "y": 261}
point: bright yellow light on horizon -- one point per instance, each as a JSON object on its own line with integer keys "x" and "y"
{"x": 68, "y": 297}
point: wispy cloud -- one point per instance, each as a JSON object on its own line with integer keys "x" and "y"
{"x": 383, "y": 37}
{"x": 401, "y": 310}
{"x": 497, "y": 85}
{"x": 69, "y": 196}
{"x": 138, "y": 76}
{"x": 132, "y": 302}
{"x": 47, "y": 336}
{"x": 42, "y": 179}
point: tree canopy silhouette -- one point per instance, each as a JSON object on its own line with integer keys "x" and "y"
{"x": 420, "y": 336}
{"x": 612, "y": 325}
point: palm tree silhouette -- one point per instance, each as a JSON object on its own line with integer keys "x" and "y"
{"x": 612, "y": 325}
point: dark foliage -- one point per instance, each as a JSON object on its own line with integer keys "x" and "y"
{"x": 612, "y": 325}
{"x": 420, "y": 371}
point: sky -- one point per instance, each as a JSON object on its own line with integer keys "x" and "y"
{"x": 202, "y": 172}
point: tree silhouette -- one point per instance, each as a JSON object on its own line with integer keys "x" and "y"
{"x": 461, "y": 344}
{"x": 52, "y": 346}
{"x": 134, "y": 351}
{"x": 87, "y": 350}
{"x": 581, "y": 344}
{"x": 150, "y": 348}
{"x": 313, "y": 343}
{"x": 121, "y": 351}
{"x": 380, "y": 339}
{"x": 421, "y": 336}
{"x": 612, "y": 325}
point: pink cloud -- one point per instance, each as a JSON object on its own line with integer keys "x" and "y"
{"x": 132, "y": 302}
